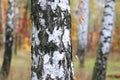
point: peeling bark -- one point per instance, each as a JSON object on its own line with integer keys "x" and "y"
{"x": 8, "y": 41}
{"x": 105, "y": 41}
{"x": 51, "y": 41}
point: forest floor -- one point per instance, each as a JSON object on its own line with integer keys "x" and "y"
{"x": 113, "y": 67}
{"x": 21, "y": 66}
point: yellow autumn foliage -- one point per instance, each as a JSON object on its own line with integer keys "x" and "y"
{"x": 26, "y": 46}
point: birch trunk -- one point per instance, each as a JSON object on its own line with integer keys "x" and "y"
{"x": 8, "y": 41}
{"x": 82, "y": 20}
{"x": 3, "y": 23}
{"x": 51, "y": 41}
{"x": 105, "y": 41}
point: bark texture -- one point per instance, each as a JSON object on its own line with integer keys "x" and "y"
{"x": 8, "y": 41}
{"x": 51, "y": 41}
{"x": 82, "y": 20}
{"x": 105, "y": 41}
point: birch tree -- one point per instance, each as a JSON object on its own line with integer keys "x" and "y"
{"x": 82, "y": 20}
{"x": 51, "y": 41}
{"x": 3, "y": 22}
{"x": 8, "y": 41}
{"x": 105, "y": 41}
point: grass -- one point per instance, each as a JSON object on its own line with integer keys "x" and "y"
{"x": 20, "y": 67}
{"x": 113, "y": 67}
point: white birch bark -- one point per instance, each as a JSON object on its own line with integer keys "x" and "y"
{"x": 8, "y": 41}
{"x": 51, "y": 41}
{"x": 82, "y": 20}
{"x": 105, "y": 41}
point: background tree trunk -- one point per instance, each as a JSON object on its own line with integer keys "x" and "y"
{"x": 3, "y": 22}
{"x": 82, "y": 20}
{"x": 100, "y": 15}
{"x": 8, "y": 41}
{"x": 51, "y": 41}
{"x": 16, "y": 26}
{"x": 105, "y": 41}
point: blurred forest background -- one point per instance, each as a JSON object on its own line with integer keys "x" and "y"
{"x": 21, "y": 58}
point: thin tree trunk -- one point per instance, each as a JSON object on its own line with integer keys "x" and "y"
{"x": 100, "y": 15}
{"x": 99, "y": 72}
{"x": 82, "y": 19}
{"x": 21, "y": 24}
{"x": 16, "y": 26}
{"x": 90, "y": 31}
{"x": 8, "y": 42}
{"x": 3, "y": 23}
{"x": 51, "y": 41}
